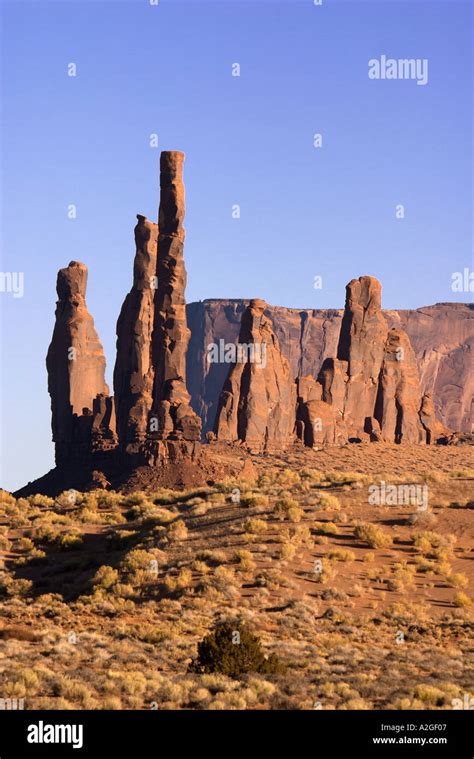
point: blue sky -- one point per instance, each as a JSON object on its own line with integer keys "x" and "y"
{"x": 305, "y": 211}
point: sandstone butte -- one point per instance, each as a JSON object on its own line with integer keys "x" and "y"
{"x": 365, "y": 388}
{"x": 370, "y": 391}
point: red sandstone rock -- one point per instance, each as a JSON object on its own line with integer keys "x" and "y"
{"x": 134, "y": 370}
{"x": 434, "y": 429}
{"x": 318, "y": 423}
{"x": 171, "y": 413}
{"x": 442, "y": 337}
{"x": 361, "y": 344}
{"x": 399, "y": 394}
{"x": 82, "y": 413}
{"x": 257, "y": 404}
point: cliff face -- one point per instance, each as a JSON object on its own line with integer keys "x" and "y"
{"x": 442, "y": 337}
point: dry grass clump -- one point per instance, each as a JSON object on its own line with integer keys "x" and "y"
{"x": 49, "y": 535}
{"x": 462, "y": 600}
{"x": 457, "y": 580}
{"x": 433, "y": 545}
{"x": 177, "y": 531}
{"x": 245, "y": 560}
{"x": 371, "y": 535}
{"x": 325, "y": 528}
{"x": 255, "y": 526}
{"x": 288, "y": 508}
{"x": 253, "y": 499}
{"x": 328, "y": 501}
{"x": 341, "y": 554}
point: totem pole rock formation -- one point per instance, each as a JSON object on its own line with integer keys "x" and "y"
{"x": 134, "y": 370}
{"x": 258, "y": 401}
{"x": 155, "y": 421}
{"x": 367, "y": 389}
{"x": 171, "y": 417}
{"x": 83, "y": 419}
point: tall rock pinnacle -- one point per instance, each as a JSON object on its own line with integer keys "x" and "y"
{"x": 171, "y": 414}
{"x": 134, "y": 370}
{"x": 361, "y": 344}
{"x": 82, "y": 412}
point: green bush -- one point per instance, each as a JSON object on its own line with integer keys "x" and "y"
{"x": 232, "y": 650}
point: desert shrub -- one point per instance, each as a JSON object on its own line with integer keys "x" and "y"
{"x": 177, "y": 530}
{"x": 19, "y": 588}
{"x": 462, "y": 599}
{"x": 105, "y": 577}
{"x": 232, "y": 650}
{"x": 49, "y": 535}
{"x": 200, "y": 566}
{"x": 428, "y": 694}
{"x": 25, "y": 544}
{"x": 5, "y": 543}
{"x": 69, "y": 540}
{"x": 371, "y": 535}
{"x": 457, "y": 580}
{"x": 341, "y": 554}
{"x": 312, "y": 475}
{"x": 345, "y": 478}
{"x": 179, "y": 582}
{"x": 326, "y": 528}
{"x": 245, "y": 559}
{"x": 223, "y": 577}
{"x": 287, "y": 551}
{"x": 287, "y": 477}
{"x": 6, "y": 498}
{"x": 35, "y": 556}
{"x": 255, "y": 526}
{"x": 139, "y": 560}
{"x": 213, "y": 557}
{"x": 328, "y": 501}
{"x": 434, "y": 546}
{"x": 41, "y": 500}
{"x": 253, "y": 499}
{"x": 288, "y": 508}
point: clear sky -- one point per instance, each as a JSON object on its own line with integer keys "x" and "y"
{"x": 305, "y": 211}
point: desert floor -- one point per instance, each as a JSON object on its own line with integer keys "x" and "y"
{"x": 105, "y": 596}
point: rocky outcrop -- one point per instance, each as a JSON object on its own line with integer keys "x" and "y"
{"x": 134, "y": 370}
{"x": 442, "y": 337}
{"x": 399, "y": 393}
{"x": 257, "y": 403}
{"x": 153, "y": 403}
{"x": 83, "y": 419}
{"x": 171, "y": 416}
{"x": 318, "y": 423}
{"x": 360, "y": 351}
{"x": 434, "y": 429}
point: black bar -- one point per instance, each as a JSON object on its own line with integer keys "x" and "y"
{"x": 347, "y": 733}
